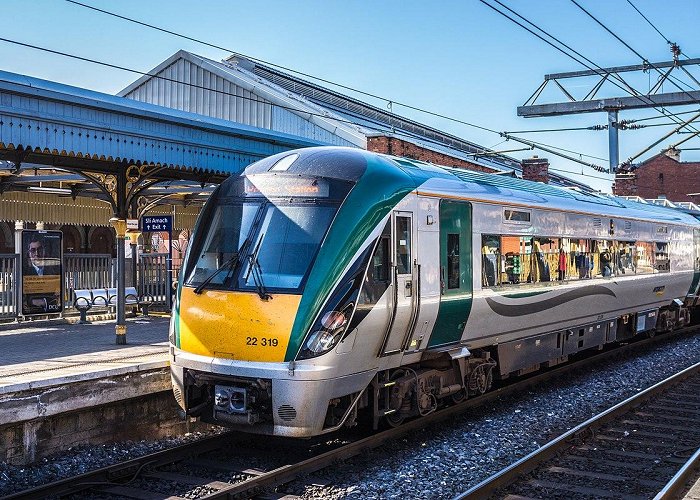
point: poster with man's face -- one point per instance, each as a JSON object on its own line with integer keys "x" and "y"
{"x": 42, "y": 273}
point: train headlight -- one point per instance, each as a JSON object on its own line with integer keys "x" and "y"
{"x": 322, "y": 341}
{"x": 333, "y": 320}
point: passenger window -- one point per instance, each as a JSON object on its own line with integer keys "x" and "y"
{"x": 453, "y": 273}
{"x": 490, "y": 256}
{"x": 543, "y": 258}
{"x": 603, "y": 256}
{"x": 403, "y": 245}
{"x": 512, "y": 259}
{"x": 627, "y": 257}
{"x": 644, "y": 257}
{"x": 661, "y": 261}
{"x": 580, "y": 254}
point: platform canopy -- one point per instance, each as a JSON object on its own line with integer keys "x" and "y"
{"x": 74, "y": 142}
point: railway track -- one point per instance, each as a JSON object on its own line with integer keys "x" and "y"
{"x": 207, "y": 469}
{"x": 644, "y": 447}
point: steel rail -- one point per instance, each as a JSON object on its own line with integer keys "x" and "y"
{"x": 115, "y": 475}
{"x": 530, "y": 462}
{"x": 110, "y": 474}
{"x": 676, "y": 485}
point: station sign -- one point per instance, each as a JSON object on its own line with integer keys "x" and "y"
{"x": 157, "y": 223}
{"x": 132, "y": 224}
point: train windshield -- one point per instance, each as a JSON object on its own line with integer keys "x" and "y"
{"x": 259, "y": 244}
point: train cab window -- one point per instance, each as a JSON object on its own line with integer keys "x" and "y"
{"x": 379, "y": 265}
{"x": 403, "y": 245}
{"x": 229, "y": 228}
{"x": 661, "y": 260}
{"x": 490, "y": 259}
{"x": 453, "y": 272}
{"x": 696, "y": 239}
{"x": 285, "y": 245}
{"x": 378, "y": 273}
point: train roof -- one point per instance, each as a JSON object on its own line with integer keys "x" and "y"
{"x": 479, "y": 186}
{"x": 349, "y": 164}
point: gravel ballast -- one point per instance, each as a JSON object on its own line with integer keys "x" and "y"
{"x": 438, "y": 462}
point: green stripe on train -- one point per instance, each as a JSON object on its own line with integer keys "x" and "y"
{"x": 379, "y": 189}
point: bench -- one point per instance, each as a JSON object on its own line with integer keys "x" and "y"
{"x": 84, "y": 300}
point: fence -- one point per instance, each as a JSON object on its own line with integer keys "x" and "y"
{"x": 87, "y": 271}
{"x": 9, "y": 278}
{"x": 153, "y": 277}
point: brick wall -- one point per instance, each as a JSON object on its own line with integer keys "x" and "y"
{"x": 399, "y": 147}
{"x": 661, "y": 176}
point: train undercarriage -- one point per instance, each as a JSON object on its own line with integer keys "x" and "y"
{"x": 453, "y": 375}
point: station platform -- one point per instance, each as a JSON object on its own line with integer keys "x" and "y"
{"x": 64, "y": 384}
{"x": 56, "y": 351}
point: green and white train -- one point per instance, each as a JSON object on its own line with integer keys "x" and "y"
{"x": 325, "y": 282}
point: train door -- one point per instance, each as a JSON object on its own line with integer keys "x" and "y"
{"x": 404, "y": 296}
{"x": 455, "y": 272}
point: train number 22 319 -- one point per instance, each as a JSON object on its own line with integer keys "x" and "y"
{"x": 264, "y": 342}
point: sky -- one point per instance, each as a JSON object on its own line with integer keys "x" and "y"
{"x": 459, "y": 59}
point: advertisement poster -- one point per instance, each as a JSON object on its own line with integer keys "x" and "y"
{"x": 42, "y": 273}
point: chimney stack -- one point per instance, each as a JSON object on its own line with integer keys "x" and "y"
{"x": 673, "y": 153}
{"x": 536, "y": 169}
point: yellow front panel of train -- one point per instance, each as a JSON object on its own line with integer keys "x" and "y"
{"x": 236, "y": 325}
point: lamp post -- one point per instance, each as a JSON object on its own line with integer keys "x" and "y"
{"x": 119, "y": 226}
{"x": 133, "y": 242}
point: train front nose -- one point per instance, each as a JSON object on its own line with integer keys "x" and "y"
{"x": 236, "y": 325}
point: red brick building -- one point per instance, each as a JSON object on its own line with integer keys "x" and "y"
{"x": 661, "y": 176}
{"x": 400, "y": 147}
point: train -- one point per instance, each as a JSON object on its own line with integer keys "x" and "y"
{"x": 329, "y": 284}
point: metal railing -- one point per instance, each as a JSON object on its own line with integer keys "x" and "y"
{"x": 153, "y": 277}
{"x": 9, "y": 279}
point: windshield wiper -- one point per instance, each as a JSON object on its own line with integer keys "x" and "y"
{"x": 256, "y": 270}
{"x": 208, "y": 279}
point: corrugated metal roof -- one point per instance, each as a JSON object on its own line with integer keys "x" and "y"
{"x": 374, "y": 118}
{"x": 192, "y": 68}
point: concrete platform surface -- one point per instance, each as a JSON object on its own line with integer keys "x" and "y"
{"x": 59, "y": 353}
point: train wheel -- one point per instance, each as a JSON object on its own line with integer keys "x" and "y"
{"x": 394, "y": 419}
{"x": 397, "y": 417}
{"x": 460, "y": 396}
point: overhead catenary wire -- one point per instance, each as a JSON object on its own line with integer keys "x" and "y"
{"x": 630, "y": 89}
{"x": 672, "y": 44}
{"x": 618, "y": 38}
{"x": 569, "y": 129}
{"x": 650, "y": 23}
{"x": 338, "y": 119}
{"x": 626, "y": 87}
{"x": 392, "y": 101}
